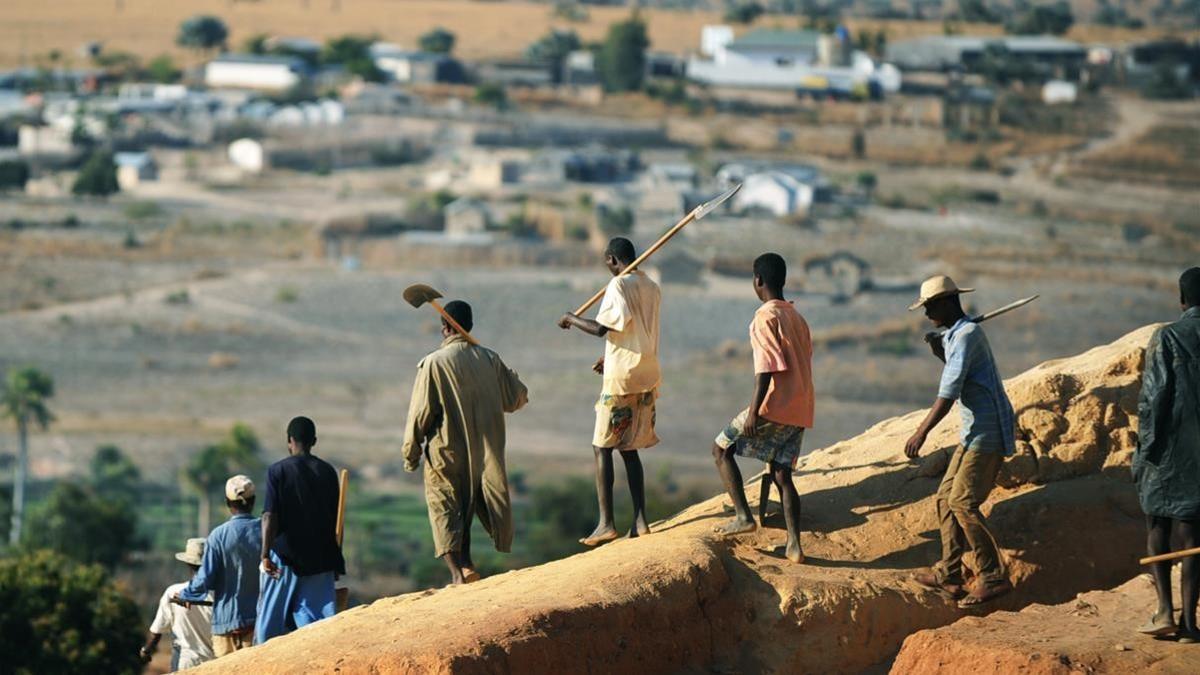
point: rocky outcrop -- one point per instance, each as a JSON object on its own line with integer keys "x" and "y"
{"x": 1094, "y": 633}
{"x": 683, "y": 599}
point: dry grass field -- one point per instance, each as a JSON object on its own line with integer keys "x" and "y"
{"x": 30, "y": 28}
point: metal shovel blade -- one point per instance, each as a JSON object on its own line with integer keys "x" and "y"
{"x": 419, "y": 294}
{"x": 709, "y": 206}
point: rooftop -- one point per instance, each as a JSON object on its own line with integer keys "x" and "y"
{"x": 770, "y": 38}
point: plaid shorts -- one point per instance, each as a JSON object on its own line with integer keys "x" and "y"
{"x": 625, "y": 421}
{"x": 772, "y": 442}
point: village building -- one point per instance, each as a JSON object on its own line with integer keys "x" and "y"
{"x": 408, "y": 66}
{"x": 466, "y": 216}
{"x": 1050, "y": 56}
{"x": 134, "y": 168}
{"x": 253, "y": 71}
{"x": 775, "y": 192}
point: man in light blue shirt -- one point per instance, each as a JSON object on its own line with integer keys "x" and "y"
{"x": 230, "y": 571}
{"x": 988, "y": 436}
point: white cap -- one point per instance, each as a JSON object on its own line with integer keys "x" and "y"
{"x": 239, "y": 487}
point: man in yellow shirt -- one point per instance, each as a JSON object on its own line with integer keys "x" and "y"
{"x": 628, "y": 321}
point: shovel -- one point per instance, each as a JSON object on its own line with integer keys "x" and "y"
{"x": 341, "y": 593}
{"x": 420, "y": 294}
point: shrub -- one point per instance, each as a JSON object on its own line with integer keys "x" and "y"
{"x": 83, "y": 526}
{"x": 57, "y": 616}
{"x": 980, "y": 162}
{"x": 438, "y": 41}
{"x": 13, "y": 174}
{"x": 287, "y": 294}
{"x": 142, "y": 210}
{"x": 98, "y": 177}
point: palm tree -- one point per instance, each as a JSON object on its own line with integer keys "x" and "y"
{"x": 211, "y": 467}
{"x": 25, "y": 394}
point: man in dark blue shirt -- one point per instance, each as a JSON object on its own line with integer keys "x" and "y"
{"x": 227, "y": 571}
{"x": 300, "y": 553}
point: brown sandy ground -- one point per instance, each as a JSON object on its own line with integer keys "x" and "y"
{"x": 1094, "y": 633}
{"x": 684, "y": 600}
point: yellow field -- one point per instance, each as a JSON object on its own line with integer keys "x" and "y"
{"x": 31, "y": 28}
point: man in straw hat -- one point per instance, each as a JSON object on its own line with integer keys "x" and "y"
{"x": 229, "y": 571}
{"x": 456, "y": 421}
{"x": 988, "y": 436}
{"x": 190, "y": 625}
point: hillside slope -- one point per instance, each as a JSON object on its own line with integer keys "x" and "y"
{"x": 685, "y": 600}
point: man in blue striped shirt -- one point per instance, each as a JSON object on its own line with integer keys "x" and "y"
{"x": 988, "y": 436}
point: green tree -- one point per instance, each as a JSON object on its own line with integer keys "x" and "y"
{"x": 1054, "y": 19}
{"x": 438, "y": 41}
{"x": 621, "y": 62}
{"x": 83, "y": 526}
{"x": 162, "y": 69}
{"x": 203, "y": 33}
{"x": 98, "y": 176}
{"x": 976, "y": 11}
{"x": 26, "y": 391}
{"x": 1165, "y": 84}
{"x": 353, "y": 52}
{"x": 57, "y": 616}
{"x": 14, "y": 173}
{"x": 113, "y": 475}
{"x": 866, "y": 182}
{"x": 615, "y": 221}
{"x": 553, "y": 48}
{"x": 256, "y": 44}
{"x": 744, "y": 12}
{"x": 491, "y": 94}
{"x": 208, "y": 469}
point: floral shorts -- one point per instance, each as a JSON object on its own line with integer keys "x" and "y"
{"x": 625, "y": 421}
{"x": 772, "y": 442}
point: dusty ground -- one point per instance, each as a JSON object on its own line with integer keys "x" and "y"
{"x": 1094, "y": 633}
{"x": 685, "y": 600}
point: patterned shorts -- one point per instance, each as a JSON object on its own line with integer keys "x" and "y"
{"x": 625, "y": 421}
{"x": 772, "y": 442}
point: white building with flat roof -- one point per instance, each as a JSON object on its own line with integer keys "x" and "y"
{"x": 252, "y": 71}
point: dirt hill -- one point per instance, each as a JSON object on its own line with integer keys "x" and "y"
{"x": 1093, "y": 633}
{"x": 685, "y": 600}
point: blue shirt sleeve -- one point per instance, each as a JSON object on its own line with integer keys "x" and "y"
{"x": 959, "y": 356}
{"x": 207, "y": 578}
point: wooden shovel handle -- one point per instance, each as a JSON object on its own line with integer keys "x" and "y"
{"x": 339, "y": 529}
{"x": 639, "y": 260}
{"x": 450, "y": 320}
{"x": 1173, "y": 555}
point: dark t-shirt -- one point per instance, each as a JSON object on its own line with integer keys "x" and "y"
{"x": 302, "y": 497}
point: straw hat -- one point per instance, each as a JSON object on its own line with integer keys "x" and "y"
{"x": 937, "y": 287}
{"x": 193, "y": 553}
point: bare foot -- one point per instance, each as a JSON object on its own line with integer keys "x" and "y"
{"x": 736, "y": 526}
{"x": 794, "y": 552}
{"x": 470, "y": 576}
{"x": 639, "y": 528}
{"x": 603, "y": 534}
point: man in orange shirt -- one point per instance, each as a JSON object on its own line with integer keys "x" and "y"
{"x": 772, "y": 428}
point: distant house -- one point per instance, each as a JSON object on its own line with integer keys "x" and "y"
{"x": 305, "y": 48}
{"x": 517, "y": 73}
{"x": 774, "y": 192}
{"x": 248, "y": 155}
{"x": 253, "y": 71}
{"x": 1050, "y": 56}
{"x": 465, "y": 217}
{"x": 579, "y": 69}
{"x": 799, "y": 60}
{"x": 134, "y": 168}
{"x": 676, "y": 266}
{"x": 492, "y": 171}
{"x": 414, "y": 67}
{"x": 840, "y": 274}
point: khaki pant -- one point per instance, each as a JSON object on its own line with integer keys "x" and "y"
{"x": 229, "y": 643}
{"x": 969, "y": 479}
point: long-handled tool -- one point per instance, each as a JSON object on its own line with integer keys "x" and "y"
{"x": 339, "y": 530}
{"x": 420, "y": 294}
{"x": 695, "y": 214}
{"x": 1173, "y": 555}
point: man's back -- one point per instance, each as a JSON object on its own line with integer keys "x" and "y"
{"x": 238, "y": 542}
{"x": 630, "y": 310}
{"x": 1167, "y": 462}
{"x": 302, "y": 494}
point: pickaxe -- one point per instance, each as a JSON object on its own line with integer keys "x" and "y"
{"x": 420, "y": 294}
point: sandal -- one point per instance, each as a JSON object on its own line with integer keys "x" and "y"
{"x": 985, "y": 594}
{"x": 930, "y": 581}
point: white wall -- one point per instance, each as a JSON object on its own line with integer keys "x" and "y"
{"x": 250, "y": 75}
